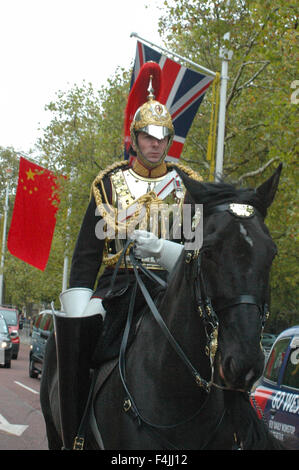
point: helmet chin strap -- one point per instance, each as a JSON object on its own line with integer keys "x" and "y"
{"x": 145, "y": 162}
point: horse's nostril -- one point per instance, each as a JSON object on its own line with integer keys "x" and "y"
{"x": 235, "y": 376}
{"x": 228, "y": 371}
{"x": 231, "y": 367}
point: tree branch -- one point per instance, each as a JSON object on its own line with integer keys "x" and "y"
{"x": 258, "y": 171}
{"x": 195, "y": 162}
{"x": 235, "y": 84}
{"x": 244, "y": 129}
{"x": 238, "y": 76}
{"x": 249, "y": 47}
{"x": 248, "y": 83}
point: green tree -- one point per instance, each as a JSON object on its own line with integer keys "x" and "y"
{"x": 86, "y": 131}
{"x": 9, "y": 167}
{"x": 85, "y": 135}
{"x": 261, "y": 120}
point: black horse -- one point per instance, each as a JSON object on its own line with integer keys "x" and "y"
{"x": 184, "y": 381}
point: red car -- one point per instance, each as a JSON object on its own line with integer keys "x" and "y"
{"x": 11, "y": 316}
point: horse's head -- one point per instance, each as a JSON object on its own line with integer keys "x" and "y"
{"x": 236, "y": 257}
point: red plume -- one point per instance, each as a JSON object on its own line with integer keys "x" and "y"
{"x": 138, "y": 95}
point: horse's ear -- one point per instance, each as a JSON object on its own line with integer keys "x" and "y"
{"x": 267, "y": 190}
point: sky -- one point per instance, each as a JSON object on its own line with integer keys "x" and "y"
{"x": 50, "y": 45}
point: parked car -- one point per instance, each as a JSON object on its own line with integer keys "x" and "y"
{"x": 41, "y": 329}
{"x": 276, "y": 398}
{"x": 5, "y": 344}
{"x": 12, "y": 318}
{"x": 267, "y": 342}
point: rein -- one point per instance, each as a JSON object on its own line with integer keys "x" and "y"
{"x": 206, "y": 312}
{"x": 129, "y": 404}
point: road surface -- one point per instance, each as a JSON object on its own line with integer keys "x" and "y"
{"x": 21, "y": 422}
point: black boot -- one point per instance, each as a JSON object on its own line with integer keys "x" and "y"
{"x": 76, "y": 338}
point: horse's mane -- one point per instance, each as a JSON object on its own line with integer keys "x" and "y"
{"x": 212, "y": 194}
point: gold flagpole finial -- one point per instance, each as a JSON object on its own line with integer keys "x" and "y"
{"x": 150, "y": 89}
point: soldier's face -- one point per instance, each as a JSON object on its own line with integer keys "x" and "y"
{"x": 151, "y": 148}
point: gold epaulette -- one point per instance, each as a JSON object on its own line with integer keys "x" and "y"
{"x": 120, "y": 164}
{"x": 191, "y": 173}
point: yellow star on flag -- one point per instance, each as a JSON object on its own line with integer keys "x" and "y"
{"x": 30, "y": 174}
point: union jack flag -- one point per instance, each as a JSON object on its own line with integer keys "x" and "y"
{"x": 183, "y": 92}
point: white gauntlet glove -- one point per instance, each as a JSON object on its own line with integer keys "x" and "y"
{"x": 77, "y": 302}
{"x": 165, "y": 252}
{"x": 147, "y": 245}
{"x": 95, "y": 307}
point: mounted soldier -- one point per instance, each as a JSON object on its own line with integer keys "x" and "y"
{"x": 125, "y": 196}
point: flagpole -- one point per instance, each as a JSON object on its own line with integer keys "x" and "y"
{"x": 65, "y": 273}
{"x": 66, "y": 253}
{"x": 67, "y": 239}
{"x": 226, "y": 56}
{"x": 66, "y": 257}
{"x": 3, "y": 242}
{"x": 203, "y": 69}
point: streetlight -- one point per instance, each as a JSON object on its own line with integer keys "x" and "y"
{"x": 3, "y": 241}
{"x": 226, "y": 56}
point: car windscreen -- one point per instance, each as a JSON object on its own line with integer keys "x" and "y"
{"x": 47, "y": 322}
{"x": 276, "y": 359}
{"x": 10, "y": 316}
{"x": 291, "y": 373}
{"x": 3, "y": 327}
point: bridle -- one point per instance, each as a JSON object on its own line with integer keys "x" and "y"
{"x": 240, "y": 211}
{"x": 129, "y": 404}
{"x": 206, "y": 308}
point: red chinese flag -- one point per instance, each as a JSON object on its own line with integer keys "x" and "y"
{"x": 33, "y": 220}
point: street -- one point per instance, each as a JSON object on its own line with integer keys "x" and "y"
{"x": 21, "y": 421}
